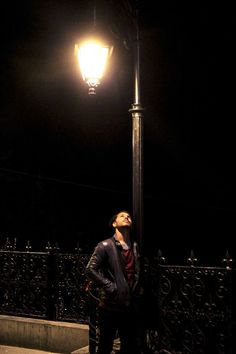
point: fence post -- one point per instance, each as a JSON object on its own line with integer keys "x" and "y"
{"x": 52, "y": 280}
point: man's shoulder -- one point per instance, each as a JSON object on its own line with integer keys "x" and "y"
{"x": 104, "y": 246}
{"x": 107, "y": 242}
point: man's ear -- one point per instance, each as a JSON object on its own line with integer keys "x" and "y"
{"x": 114, "y": 224}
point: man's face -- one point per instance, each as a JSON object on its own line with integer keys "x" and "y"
{"x": 123, "y": 219}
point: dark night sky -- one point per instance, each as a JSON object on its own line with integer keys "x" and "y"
{"x": 65, "y": 157}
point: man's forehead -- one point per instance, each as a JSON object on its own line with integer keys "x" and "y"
{"x": 122, "y": 213}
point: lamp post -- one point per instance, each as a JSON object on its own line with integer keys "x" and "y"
{"x": 93, "y": 77}
{"x": 136, "y": 111}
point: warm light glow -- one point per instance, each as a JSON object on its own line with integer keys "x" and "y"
{"x": 92, "y": 57}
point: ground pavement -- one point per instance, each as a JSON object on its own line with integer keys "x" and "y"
{"x": 4, "y": 349}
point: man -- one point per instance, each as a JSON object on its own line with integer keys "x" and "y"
{"x": 114, "y": 268}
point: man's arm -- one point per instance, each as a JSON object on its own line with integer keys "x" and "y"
{"x": 93, "y": 270}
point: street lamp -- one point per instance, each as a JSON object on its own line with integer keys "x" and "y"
{"x": 92, "y": 55}
{"x": 93, "y": 50}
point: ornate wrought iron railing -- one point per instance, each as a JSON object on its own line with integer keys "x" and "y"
{"x": 47, "y": 285}
{"x": 188, "y": 308}
{"x": 192, "y": 307}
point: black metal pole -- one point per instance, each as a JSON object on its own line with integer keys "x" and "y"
{"x": 137, "y": 146}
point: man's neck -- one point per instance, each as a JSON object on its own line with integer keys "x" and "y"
{"x": 123, "y": 235}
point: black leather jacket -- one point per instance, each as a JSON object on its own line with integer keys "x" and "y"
{"x": 107, "y": 270}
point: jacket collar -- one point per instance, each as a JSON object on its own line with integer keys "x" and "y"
{"x": 124, "y": 246}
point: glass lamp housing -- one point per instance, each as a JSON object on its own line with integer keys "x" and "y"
{"x": 92, "y": 56}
